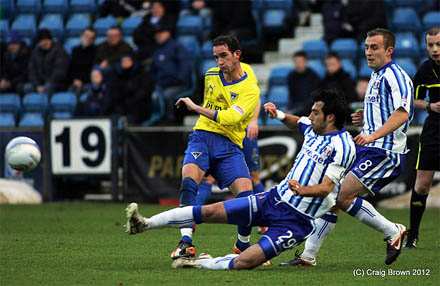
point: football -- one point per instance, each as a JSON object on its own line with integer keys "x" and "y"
{"x": 23, "y": 154}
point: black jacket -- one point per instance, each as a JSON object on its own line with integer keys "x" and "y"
{"x": 82, "y": 62}
{"x": 342, "y": 82}
{"x": 301, "y": 85}
{"x": 13, "y": 67}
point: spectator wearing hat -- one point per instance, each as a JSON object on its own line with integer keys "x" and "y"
{"x": 171, "y": 69}
{"x": 14, "y": 60}
{"x": 81, "y": 64}
{"x": 48, "y": 66}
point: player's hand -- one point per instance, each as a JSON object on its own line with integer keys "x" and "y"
{"x": 364, "y": 139}
{"x": 435, "y": 107}
{"x": 358, "y": 117}
{"x": 270, "y": 109}
{"x": 295, "y": 187}
{"x": 187, "y": 101}
{"x": 252, "y": 130}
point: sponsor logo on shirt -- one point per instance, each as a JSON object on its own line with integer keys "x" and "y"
{"x": 238, "y": 109}
{"x": 372, "y": 98}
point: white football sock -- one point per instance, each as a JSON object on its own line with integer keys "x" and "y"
{"x": 314, "y": 242}
{"x": 371, "y": 217}
{"x": 177, "y": 218}
{"x": 218, "y": 263}
{"x": 187, "y": 231}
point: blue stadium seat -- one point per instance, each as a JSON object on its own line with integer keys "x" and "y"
{"x": 190, "y": 25}
{"x": 206, "y": 50}
{"x": 273, "y": 122}
{"x": 70, "y": 43}
{"x": 10, "y": 102}
{"x": 34, "y": 101}
{"x": 408, "y": 65}
{"x": 28, "y": 6}
{"x": 54, "y": 23}
{"x": 431, "y": 19}
{"x": 419, "y": 117}
{"x": 408, "y": 3}
{"x": 422, "y": 46}
{"x": 100, "y": 40}
{"x": 55, "y": 6}
{"x": 101, "y": 25}
{"x": 82, "y": 6}
{"x": 406, "y": 46}
{"x": 317, "y": 66}
{"x": 62, "y": 115}
{"x": 76, "y": 24}
{"x": 278, "y": 75}
{"x": 191, "y": 43}
{"x": 274, "y": 21}
{"x": 279, "y": 95}
{"x": 31, "y": 119}
{"x": 129, "y": 40}
{"x": 130, "y": 24}
{"x": 349, "y": 67}
{"x": 25, "y": 25}
{"x": 8, "y": 8}
{"x": 315, "y": 49}
{"x": 4, "y": 29}
{"x": 7, "y": 119}
{"x": 205, "y": 65}
{"x": 346, "y": 48}
{"x": 405, "y": 20}
{"x": 365, "y": 70}
{"x": 158, "y": 111}
{"x": 63, "y": 101}
{"x": 286, "y": 5}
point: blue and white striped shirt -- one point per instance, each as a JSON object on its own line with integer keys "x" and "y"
{"x": 389, "y": 89}
{"x": 328, "y": 155}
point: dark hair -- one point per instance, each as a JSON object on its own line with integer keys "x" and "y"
{"x": 333, "y": 55}
{"x": 300, "y": 54}
{"x": 230, "y": 41}
{"x": 432, "y": 32}
{"x": 334, "y": 103}
{"x": 389, "y": 39}
{"x": 91, "y": 29}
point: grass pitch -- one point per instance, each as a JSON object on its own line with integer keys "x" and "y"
{"x": 84, "y": 244}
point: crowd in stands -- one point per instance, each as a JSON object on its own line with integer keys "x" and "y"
{"x": 135, "y": 71}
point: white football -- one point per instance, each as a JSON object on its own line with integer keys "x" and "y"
{"x": 23, "y": 154}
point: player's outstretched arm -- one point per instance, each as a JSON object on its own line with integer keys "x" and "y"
{"x": 321, "y": 190}
{"x": 397, "y": 118}
{"x": 194, "y": 107}
{"x": 291, "y": 121}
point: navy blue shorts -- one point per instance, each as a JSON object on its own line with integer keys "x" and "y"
{"x": 251, "y": 153}
{"x": 287, "y": 227}
{"x": 375, "y": 167}
{"x": 216, "y": 155}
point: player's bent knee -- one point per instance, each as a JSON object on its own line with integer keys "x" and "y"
{"x": 245, "y": 263}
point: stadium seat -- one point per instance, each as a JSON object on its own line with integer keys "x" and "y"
{"x": 101, "y": 25}
{"x": 28, "y": 6}
{"x": 406, "y": 46}
{"x": 422, "y": 46}
{"x": 62, "y": 115}
{"x": 10, "y": 102}
{"x": 285, "y": 5}
{"x": 35, "y": 102}
{"x": 7, "y": 119}
{"x": 70, "y": 43}
{"x": 405, "y": 20}
{"x": 408, "y": 3}
{"x": 31, "y": 119}
{"x": 130, "y": 24}
{"x": 431, "y": 19}
{"x": 365, "y": 70}
{"x": 279, "y": 95}
{"x": 205, "y": 65}
{"x": 346, "y": 48}
{"x": 206, "y": 50}
{"x": 63, "y": 101}
{"x": 100, "y": 40}
{"x": 82, "y": 6}
{"x": 407, "y": 65}
{"x": 349, "y": 67}
{"x": 315, "y": 49}
{"x": 278, "y": 75}
{"x": 25, "y": 25}
{"x": 55, "y": 6}
{"x": 54, "y": 23}
{"x": 8, "y": 8}
{"x": 76, "y": 24}
{"x": 190, "y": 25}
{"x": 317, "y": 66}
{"x": 129, "y": 40}
{"x": 419, "y": 117}
{"x": 274, "y": 21}
{"x": 158, "y": 111}
{"x": 4, "y": 29}
{"x": 273, "y": 122}
{"x": 191, "y": 43}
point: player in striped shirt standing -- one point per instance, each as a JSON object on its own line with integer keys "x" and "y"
{"x": 288, "y": 209}
{"x": 381, "y": 148}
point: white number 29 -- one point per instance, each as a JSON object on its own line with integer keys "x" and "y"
{"x": 287, "y": 241}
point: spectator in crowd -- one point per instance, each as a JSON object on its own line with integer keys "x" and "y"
{"x": 83, "y": 56}
{"x": 337, "y": 78}
{"x": 199, "y": 8}
{"x": 233, "y": 18}
{"x": 361, "y": 89}
{"x": 334, "y": 20}
{"x": 302, "y": 82}
{"x": 98, "y": 101}
{"x": 143, "y": 36}
{"x": 14, "y": 61}
{"x": 48, "y": 67}
{"x": 108, "y": 52}
{"x": 131, "y": 87}
{"x": 119, "y": 8}
{"x": 171, "y": 69}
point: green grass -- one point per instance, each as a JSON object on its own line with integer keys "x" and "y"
{"x": 84, "y": 244}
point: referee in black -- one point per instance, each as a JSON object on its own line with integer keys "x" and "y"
{"x": 426, "y": 83}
